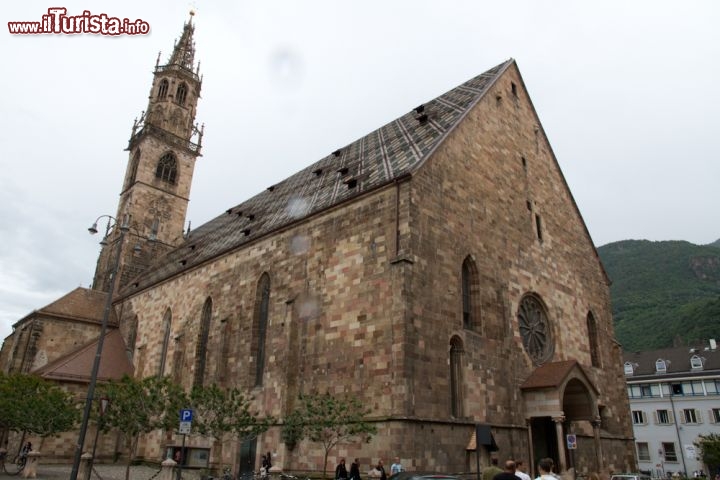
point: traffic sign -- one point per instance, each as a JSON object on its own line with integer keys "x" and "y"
{"x": 571, "y": 441}
{"x": 185, "y": 428}
{"x": 186, "y": 415}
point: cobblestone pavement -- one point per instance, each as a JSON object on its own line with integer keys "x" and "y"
{"x": 102, "y": 472}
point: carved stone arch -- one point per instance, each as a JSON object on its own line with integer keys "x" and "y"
{"x": 535, "y": 328}
{"x": 456, "y": 354}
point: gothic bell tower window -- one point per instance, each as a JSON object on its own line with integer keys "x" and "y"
{"x": 167, "y": 168}
{"x": 181, "y": 94}
{"x": 162, "y": 91}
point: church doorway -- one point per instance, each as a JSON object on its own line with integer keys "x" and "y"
{"x": 246, "y": 460}
{"x": 544, "y": 439}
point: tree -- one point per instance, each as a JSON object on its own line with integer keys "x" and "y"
{"x": 30, "y": 404}
{"x": 709, "y": 450}
{"x": 218, "y": 412}
{"x": 139, "y": 406}
{"x": 329, "y": 420}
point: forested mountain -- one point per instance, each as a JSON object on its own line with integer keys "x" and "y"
{"x": 663, "y": 291}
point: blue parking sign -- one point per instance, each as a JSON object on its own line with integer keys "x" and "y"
{"x": 186, "y": 415}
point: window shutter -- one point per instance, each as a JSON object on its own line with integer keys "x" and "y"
{"x": 644, "y": 417}
{"x": 711, "y": 417}
{"x": 682, "y": 417}
{"x": 671, "y": 417}
{"x": 698, "y": 415}
{"x": 655, "y": 417}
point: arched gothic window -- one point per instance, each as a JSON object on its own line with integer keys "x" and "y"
{"x": 163, "y": 89}
{"x": 470, "y": 287}
{"x": 181, "y": 94}
{"x": 167, "y": 168}
{"x": 202, "y": 344}
{"x": 456, "y": 380}
{"x": 593, "y": 340}
{"x": 262, "y": 306}
{"x": 166, "y": 340}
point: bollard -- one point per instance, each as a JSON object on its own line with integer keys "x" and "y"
{"x": 85, "y": 469}
{"x": 166, "y": 470}
{"x": 31, "y": 465}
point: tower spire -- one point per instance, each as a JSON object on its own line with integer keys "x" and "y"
{"x": 184, "y": 52}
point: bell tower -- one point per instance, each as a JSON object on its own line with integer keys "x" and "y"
{"x": 164, "y": 144}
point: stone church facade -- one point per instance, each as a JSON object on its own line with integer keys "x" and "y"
{"x": 438, "y": 269}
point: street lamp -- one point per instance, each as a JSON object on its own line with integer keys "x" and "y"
{"x": 104, "y": 402}
{"x": 103, "y": 327}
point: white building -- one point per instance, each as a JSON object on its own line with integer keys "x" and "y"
{"x": 674, "y": 397}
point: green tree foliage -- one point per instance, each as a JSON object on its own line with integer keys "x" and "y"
{"x": 328, "y": 420}
{"x": 33, "y": 405}
{"x": 709, "y": 450}
{"x": 219, "y": 412}
{"x": 662, "y": 291}
{"x": 139, "y": 406}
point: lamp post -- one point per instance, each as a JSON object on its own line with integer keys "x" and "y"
{"x": 103, "y": 327}
{"x": 104, "y": 402}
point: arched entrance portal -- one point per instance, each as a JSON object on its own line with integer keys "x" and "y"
{"x": 560, "y": 400}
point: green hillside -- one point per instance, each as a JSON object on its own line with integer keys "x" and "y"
{"x": 662, "y": 291}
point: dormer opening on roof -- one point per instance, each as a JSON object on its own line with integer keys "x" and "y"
{"x": 317, "y": 172}
{"x": 250, "y": 216}
{"x": 422, "y": 118}
{"x": 420, "y": 109}
{"x": 696, "y": 363}
{"x": 228, "y": 211}
{"x": 629, "y": 368}
{"x": 343, "y": 170}
{"x": 336, "y": 153}
{"x": 246, "y": 232}
{"x": 351, "y": 183}
{"x": 271, "y": 188}
{"x": 660, "y": 366}
{"x": 239, "y": 213}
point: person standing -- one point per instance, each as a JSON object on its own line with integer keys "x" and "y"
{"x": 381, "y": 469}
{"x": 545, "y": 466}
{"x": 341, "y": 471}
{"x": 508, "y": 473}
{"x": 396, "y": 467}
{"x": 520, "y": 471}
{"x": 355, "y": 470}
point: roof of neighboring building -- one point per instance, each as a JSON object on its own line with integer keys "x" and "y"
{"x": 386, "y": 155}
{"x": 677, "y": 362}
{"x": 77, "y": 365}
{"x": 81, "y": 304}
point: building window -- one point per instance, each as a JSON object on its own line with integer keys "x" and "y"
{"x": 166, "y": 341}
{"x": 663, "y": 417}
{"x": 690, "y": 415}
{"x": 162, "y": 91}
{"x": 669, "y": 454}
{"x": 660, "y": 366}
{"x": 638, "y": 417}
{"x": 181, "y": 94}
{"x": 715, "y": 415}
{"x": 262, "y": 306}
{"x": 470, "y": 287}
{"x": 456, "y": 382}
{"x": 167, "y": 168}
{"x": 676, "y": 388}
{"x": 202, "y": 344}
{"x": 535, "y": 329}
{"x": 712, "y": 387}
{"x": 538, "y": 227}
{"x": 643, "y": 451}
{"x": 593, "y": 340}
{"x": 629, "y": 368}
{"x": 634, "y": 391}
{"x": 696, "y": 362}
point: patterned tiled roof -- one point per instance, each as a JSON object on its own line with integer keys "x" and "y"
{"x": 77, "y": 365}
{"x": 382, "y": 156}
{"x": 677, "y": 361}
{"x": 79, "y": 304}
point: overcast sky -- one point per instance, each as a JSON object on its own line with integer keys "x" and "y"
{"x": 626, "y": 91}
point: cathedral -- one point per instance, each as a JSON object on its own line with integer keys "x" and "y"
{"x": 437, "y": 268}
